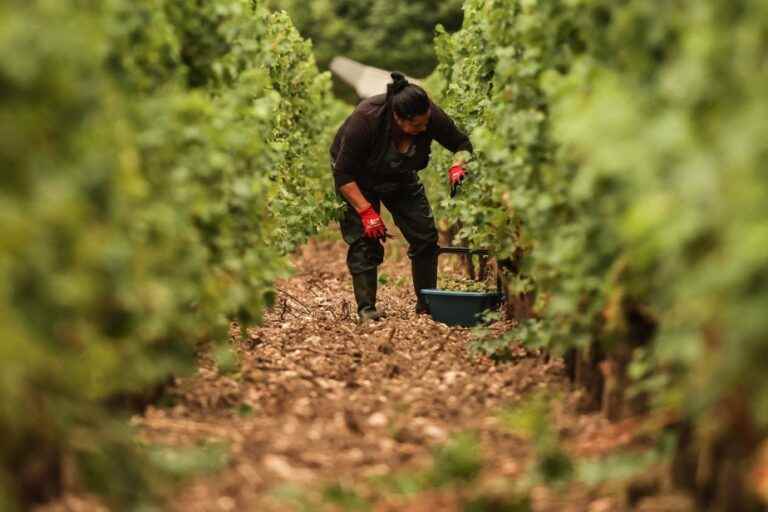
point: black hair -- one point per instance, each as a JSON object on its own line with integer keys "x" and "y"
{"x": 407, "y": 100}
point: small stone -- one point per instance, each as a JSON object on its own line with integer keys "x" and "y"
{"x": 278, "y": 465}
{"x": 435, "y": 432}
{"x": 450, "y": 377}
{"x": 226, "y": 503}
{"x": 601, "y": 505}
{"x": 377, "y": 419}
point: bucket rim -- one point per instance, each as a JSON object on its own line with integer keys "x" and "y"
{"x": 451, "y": 293}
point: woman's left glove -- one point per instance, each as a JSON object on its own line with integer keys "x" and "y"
{"x": 456, "y": 175}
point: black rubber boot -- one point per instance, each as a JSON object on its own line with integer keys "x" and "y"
{"x": 424, "y": 272}
{"x": 365, "y": 285}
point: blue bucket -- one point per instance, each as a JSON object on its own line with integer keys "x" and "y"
{"x": 459, "y": 308}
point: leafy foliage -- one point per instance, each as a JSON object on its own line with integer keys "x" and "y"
{"x": 390, "y": 34}
{"x": 464, "y": 284}
{"x": 620, "y": 147}
{"x": 305, "y": 122}
{"x": 136, "y": 215}
{"x": 459, "y": 460}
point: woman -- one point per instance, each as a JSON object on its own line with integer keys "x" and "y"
{"x": 375, "y": 157}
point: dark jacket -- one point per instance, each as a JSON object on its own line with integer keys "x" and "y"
{"x": 358, "y": 150}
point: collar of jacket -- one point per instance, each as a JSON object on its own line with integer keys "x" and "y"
{"x": 383, "y": 124}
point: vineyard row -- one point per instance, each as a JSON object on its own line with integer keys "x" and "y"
{"x": 620, "y": 179}
{"x": 162, "y": 159}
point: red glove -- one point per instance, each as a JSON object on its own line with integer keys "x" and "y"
{"x": 372, "y": 224}
{"x": 456, "y": 175}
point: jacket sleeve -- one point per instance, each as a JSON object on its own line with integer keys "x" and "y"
{"x": 445, "y": 132}
{"x": 353, "y": 150}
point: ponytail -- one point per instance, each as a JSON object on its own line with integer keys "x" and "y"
{"x": 407, "y": 100}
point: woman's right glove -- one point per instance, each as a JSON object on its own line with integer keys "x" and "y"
{"x": 372, "y": 224}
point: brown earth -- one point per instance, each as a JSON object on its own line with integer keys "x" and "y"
{"x": 324, "y": 414}
{"x": 331, "y": 402}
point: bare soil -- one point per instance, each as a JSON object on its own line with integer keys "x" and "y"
{"x": 320, "y": 413}
{"x": 320, "y": 401}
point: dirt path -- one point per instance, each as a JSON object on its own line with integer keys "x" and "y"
{"x": 326, "y": 412}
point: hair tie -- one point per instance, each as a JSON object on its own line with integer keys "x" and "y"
{"x": 399, "y": 82}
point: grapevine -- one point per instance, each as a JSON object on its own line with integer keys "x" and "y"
{"x": 606, "y": 155}
{"x": 143, "y": 142}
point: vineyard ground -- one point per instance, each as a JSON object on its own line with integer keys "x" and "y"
{"x": 323, "y": 412}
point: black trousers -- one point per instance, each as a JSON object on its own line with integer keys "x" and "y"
{"x": 408, "y": 204}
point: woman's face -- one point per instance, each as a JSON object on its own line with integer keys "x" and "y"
{"x": 415, "y": 125}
